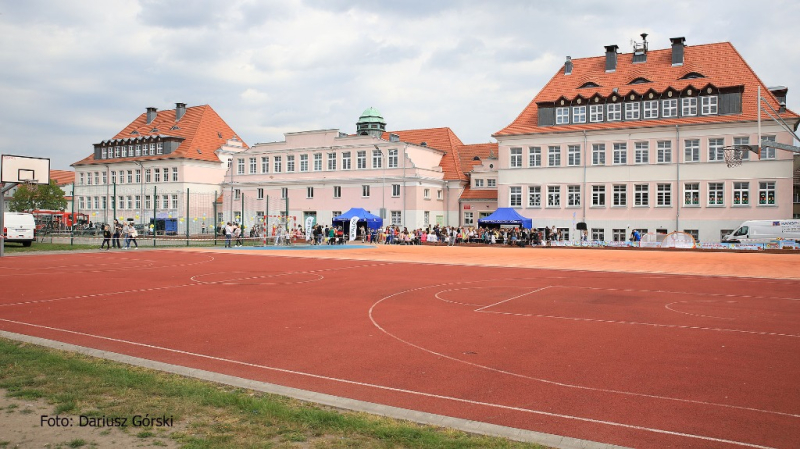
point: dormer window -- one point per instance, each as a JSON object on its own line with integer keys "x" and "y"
{"x": 640, "y": 80}
{"x": 692, "y": 75}
{"x": 579, "y": 114}
{"x": 135, "y": 133}
{"x": 562, "y": 116}
{"x": 154, "y": 130}
{"x": 708, "y": 105}
{"x": 588, "y": 84}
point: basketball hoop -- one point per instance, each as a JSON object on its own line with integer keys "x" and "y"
{"x": 733, "y": 156}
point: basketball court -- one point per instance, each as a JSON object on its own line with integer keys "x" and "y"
{"x": 643, "y": 356}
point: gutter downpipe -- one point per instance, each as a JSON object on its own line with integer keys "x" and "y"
{"x": 585, "y": 163}
{"x": 405, "y": 190}
{"x": 678, "y": 176}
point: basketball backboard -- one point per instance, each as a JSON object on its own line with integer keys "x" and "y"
{"x": 24, "y": 169}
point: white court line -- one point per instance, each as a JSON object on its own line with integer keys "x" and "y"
{"x": 547, "y": 381}
{"x": 511, "y": 299}
{"x": 693, "y": 314}
{"x": 399, "y": 390}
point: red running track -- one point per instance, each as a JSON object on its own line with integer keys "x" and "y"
{"x": 633, "y": 360}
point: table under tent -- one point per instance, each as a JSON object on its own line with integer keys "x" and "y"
{"x": 365, "y": 219}
{"x": 505, "y": 216}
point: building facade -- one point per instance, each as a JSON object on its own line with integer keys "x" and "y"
{"x": 637, "y": 141}
{"x": 409, "y": 178}
{"x": 165, "y": 165}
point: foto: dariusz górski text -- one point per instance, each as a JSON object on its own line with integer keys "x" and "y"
{"x": 106, "y": 421}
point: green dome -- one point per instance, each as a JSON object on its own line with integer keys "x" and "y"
{"x": 371, "y": 115}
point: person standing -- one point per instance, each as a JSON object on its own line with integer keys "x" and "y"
{"x": 228, "y": 230}
{"x": 131, "y": 237}
{"x": 106, "y": 238}
{"x": 237, "y": 234}
{"x": 115, "y": 237}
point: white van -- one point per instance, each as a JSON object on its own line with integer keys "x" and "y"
{"x": 764, "y": 231}
{"x": 19, "y": 227}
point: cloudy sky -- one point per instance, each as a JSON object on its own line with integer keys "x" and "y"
{"x": 77, "y": 72}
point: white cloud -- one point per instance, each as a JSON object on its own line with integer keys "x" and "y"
{"x": 76, "y": 72}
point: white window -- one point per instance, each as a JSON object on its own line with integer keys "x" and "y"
{"x": 377, "y": 159}
{"x": 469, "y": 219}
{"x": 152, "y": 149}
{"x": 309, "y": 192}
{"x": 716, "y": 194}
{"x": 260, "y": 193}
{"x": 562, "y": 116}
{"x": 239, "y": 166}
{"x": 516, "y": 157}
{"x": 689, "y": 106}
{"x": 426, "y": 217}
{"x": 439, "y": 194}
{"x": 743, "y": 141}
{"x": 641, "y": 153}
{"x": 130, "y": 176}
{"x": 88, "y": 179}
{"x": 553, "y": 196}
{"x": 284, "y": 193}
{"x": 331, "y": 161}
{"x": 614, "y": 111}
{"x": 515, "y": 196}
{"x": 741, "y": 193}
{"x": 651, "y": 109}
{"x": 265, "y": 164}
{"x": 174, "y": 201}
{"x": 165, "y": 201}
{"x": 491, "y": 183}
{"x": 290, "y": 163}
{"x": 620, "y": 154}
{"x": 104, "y": 153}
{"x": 397, "y": 217}
{"x": 303, "y": 162}
{"x": 105, "y": 178}
{"x": 81, "y": 179}
{"x": 157, "y": 173}
{"x": 253, "y": 166}
{"x": 766, "y": 193}
{"x": 691, "y": 194}
{"x": 426, "y": 193}
{"x": 598, "y": 196}
{"x": 277, "y": 165}
{"x": 146, "y": 175}
{"x": 138, "y": 175}
{"x": 534, "y": 157}
{"x": 395, "y": 190}
{"x": 598, "y": 154}
{"x": 534, "y": 196}
{"x": 691, "y": 150}
{"x": 138, "y": 149}
{"x": 596, "y": 113}
{"x": 554, "y": 156}
{"x": 346, "y": 163}
{"x": 598, "y": 234}
{"x": 664, "y": 152}
{"x": 767, "y": 152}
{"x": 708, "y": 105}
{"x": 97, "y": 202}
{"x": 715, "y": 151}
{"x": 81, "y": 203}
{"x": 123, "y": 152}
{"x": 317, "y": 161}
{"x": 632, "y": 111}
{"x": 337, "y": 192}
{"x": 478, "y": 182}
{"x": 620, "y": 195}
{"x": 641, "y": 195}
{"x": 237, "y": 193}
{"x": 573, "y": 196}
{"x": 393, "y": 158}
{"x": 669, "y": 108}
{"x": 574, "y": 155}
{"x": 664, "y": 195}
{"x": 365, "y": 191}
{"x": 619, "y": 235}
{"x": 159, "y": 148}
{"x": 122, "y": 176}
{"x": 147, "y": 202}
{"x": 361, "y": 159}
{"x": 579, "y": 114}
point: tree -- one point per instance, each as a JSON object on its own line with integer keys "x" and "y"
{"x": 40, "y": 196}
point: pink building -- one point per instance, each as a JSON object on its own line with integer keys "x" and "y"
{"x": 636, "y": 141}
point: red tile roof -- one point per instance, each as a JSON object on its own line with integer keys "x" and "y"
{"x": 467, "y": 154}
{"x": 200, "y": 127}
{"x": 440, "y": 138}
{"x": 720, "y": 64}
{"x": 62, "y": 177}
{"x": 479, "y": 194}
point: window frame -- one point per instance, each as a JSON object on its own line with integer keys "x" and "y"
{"x": 691, "y": 194}
{"x": 620, "y": 153}
{"x": 740, "y": 194}
{"x": 641, "y": 195}
{"x": 691, "y": 150}
{"x": 515, "y": 157}
{"x": 632, "y": 110}
{"x": 614, "y": 112}
{"x": 554, "y": 156}
{"x": 599, "y": 195}
{"x": 596, "y": 113}
{"x": 709, "y": 105}
{"x": 579, "y": 114}
{"x": 664, "y": 195}
{"x": 669, "y": 108}
{"x": 598, "y": 154}
{"x": 764, "y": 190}
{"x": 573, "y": 155}
{"x": 554, "y": 196}
{"x": 650, "y": 109}
{"x": 535, "y": 196}
{"x": 664, "y": 152}
{"x": 641, "y": 152}
{"x": 515, "y": 196}
{"x": 620, "y": 196}
{"x": 562, "y": 116}
{"x": 688, "y": 106}
{"x": 534, "y": 156}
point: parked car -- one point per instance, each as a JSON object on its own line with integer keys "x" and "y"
{"x": 19, "y": 227}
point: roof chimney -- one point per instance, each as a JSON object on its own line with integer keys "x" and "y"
{"x": 611, "y": 58}
{"x": 568, "y": 66}
{"x": 180, "y": 109}
{"x": 151, "y": 114}
{"x": 678, "y": 43}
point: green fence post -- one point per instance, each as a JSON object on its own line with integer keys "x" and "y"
{"x": 155, "y": 222}
{"x": 187, "y": 216}
{"x": 214, "y": 218}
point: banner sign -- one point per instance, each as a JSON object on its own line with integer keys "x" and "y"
{"x": 309, "y": 225}
{"x": 353, "y": 228}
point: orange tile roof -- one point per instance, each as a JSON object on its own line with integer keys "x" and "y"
{"x": 720, "y": 64}
{"x": 200, "y": 127}
{"x": 467, "y": 154}
{"x": 62, "y": 177}
{"x": 440, "y": 138}
{"x": 479, "y": 194}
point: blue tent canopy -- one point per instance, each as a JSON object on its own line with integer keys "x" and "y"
{"x": 506, "y": 216}
{"x": 372, "y": 221}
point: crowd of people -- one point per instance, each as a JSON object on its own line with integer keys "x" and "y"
{"x": 113, "y": 232}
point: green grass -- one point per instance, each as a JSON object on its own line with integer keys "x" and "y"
{"x": 45, "y": 246}
{"x": 207, "y": 415}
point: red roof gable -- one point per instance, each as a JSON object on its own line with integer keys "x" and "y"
{"x": 201, "y": 128}
{"x": 468, "y": 153}
{"x": 62, "y": 177}
{"x": 441, "y": 139}
{"x": 479, "y": 194}
{"x": 719, "y": 64}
